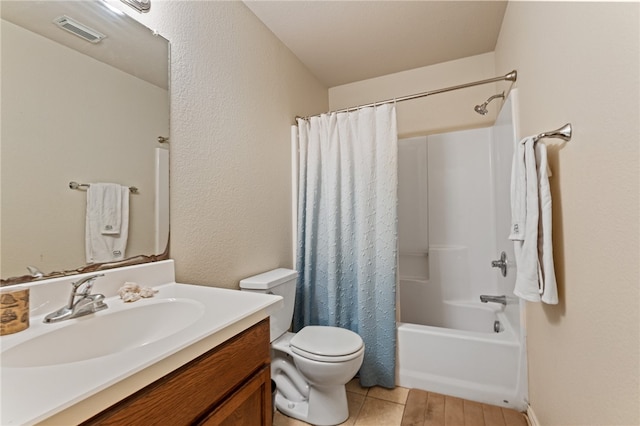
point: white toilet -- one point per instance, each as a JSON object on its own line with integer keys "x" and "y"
{"x": 310, "y": 367}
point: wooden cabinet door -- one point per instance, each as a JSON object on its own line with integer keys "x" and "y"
{"x": 190, "y": 393}
{"x": 249, "y": 405}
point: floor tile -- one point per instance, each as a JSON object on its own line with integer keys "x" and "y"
{"x": 492, "y": 415}
{"x": 397, "y": 394}
{"x": 434, "y": 412}
{"x": 415, "y": 408}
{"x": 453, "y": 411}
{"x": 514, "y": 418}
{"x": 281, "y": 420}
{"x": 376, "y": 412}
{"x": 354, "y": 386}
{"x": 355, "y": 402}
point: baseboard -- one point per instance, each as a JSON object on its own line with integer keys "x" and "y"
{"x": 531, "y": 417}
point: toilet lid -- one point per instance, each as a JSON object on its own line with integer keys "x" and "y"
{"x": 326, "y": 341}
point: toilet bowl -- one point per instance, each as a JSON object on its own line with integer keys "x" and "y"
{"x": 311, "y": 367}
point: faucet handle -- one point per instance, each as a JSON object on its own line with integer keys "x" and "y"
{"x": 89, "y": 284}
{"x": 87, "y": 290}
{"x": 502, "y": 264}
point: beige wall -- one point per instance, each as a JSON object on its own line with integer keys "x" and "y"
{"x": 235, "y": 90}
{"x": 67, "y": 117}
{"x": 578, "y": 63}
{"x": 432, "y": 114}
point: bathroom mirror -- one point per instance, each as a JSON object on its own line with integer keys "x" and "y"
{"x": 77, "y": 110}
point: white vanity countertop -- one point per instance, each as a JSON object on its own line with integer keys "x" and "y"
{"x": 66, "y": 393}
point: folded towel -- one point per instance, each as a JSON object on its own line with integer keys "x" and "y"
{"x": 101, "y": 246}
{"x": 531, "y": 225}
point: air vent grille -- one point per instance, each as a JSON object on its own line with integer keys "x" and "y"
{"x": 79, "y": 29}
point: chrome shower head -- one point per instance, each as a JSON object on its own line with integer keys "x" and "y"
{"x": 482, "y": 108}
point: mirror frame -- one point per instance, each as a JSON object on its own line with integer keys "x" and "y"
{"x": 92, "y": 267}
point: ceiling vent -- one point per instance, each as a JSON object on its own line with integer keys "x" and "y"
{"x": 78, "y": 29}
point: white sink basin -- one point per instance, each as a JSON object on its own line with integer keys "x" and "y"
{"x": 105, "y": 333}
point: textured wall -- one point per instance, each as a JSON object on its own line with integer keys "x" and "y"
{"x": 235, "y": 90}
{"x": 579, "y": 62}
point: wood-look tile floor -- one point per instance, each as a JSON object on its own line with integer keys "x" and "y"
{"x": 413, "y": 407}
{"x": 427, "y": 408}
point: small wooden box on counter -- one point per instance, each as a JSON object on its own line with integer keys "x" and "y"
{"x": 14, "y": 310}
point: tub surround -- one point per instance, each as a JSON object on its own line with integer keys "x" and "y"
{"x": 468, "y": 171}
{"x": 67, "y": 393}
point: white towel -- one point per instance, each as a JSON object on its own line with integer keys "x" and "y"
{"x": 531, "y": 223}
{"x": 518, "y": 193}
{"x": 108, "y": 198}
{"x": 546, "y": 269}
{"x": 104, "y": 202}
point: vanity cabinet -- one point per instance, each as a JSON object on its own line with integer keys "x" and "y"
{"x": 229, "y": 385}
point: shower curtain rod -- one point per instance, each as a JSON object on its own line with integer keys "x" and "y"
{"x": 512, "y": 76}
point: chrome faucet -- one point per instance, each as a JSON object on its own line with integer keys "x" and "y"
{"x": 85, "y": 304}
{"x": 495, "y": 299}
{"x": 35, "y": 272}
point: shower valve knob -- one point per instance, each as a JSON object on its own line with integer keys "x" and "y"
{"x": 502, "y": 264}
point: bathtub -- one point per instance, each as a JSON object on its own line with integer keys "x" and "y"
{"x": 456, "y": 351}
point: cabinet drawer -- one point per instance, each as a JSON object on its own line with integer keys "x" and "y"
{"x": 192, "y": 390}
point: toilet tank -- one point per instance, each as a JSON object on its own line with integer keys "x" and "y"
{"x": 281, "y": 282}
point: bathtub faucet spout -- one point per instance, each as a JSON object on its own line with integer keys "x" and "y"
{"x": 495, "y": 299}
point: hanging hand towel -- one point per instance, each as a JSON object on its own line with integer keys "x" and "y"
{"x": 546, "y": 269}
{"x": 531, "y": 223}
{"x": 103, "y": 201}
{"x": 110, "y": 206}
{"x": 518, "y": 194}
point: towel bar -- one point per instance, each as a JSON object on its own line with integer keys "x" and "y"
{"x": 563, "y": 133}
{"x": 85, "y": 186}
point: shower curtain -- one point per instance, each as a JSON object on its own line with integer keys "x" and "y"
{"x": 347, "y": 231}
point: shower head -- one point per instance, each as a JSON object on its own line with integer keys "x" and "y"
{"x": 482, "y": 108}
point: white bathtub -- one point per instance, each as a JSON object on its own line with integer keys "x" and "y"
{"x": 460, "y": 354}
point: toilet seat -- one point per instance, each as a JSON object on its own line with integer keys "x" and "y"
{"x": 326, "y": 344}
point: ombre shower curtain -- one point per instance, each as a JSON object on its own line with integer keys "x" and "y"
{"x": 347, "y": 231}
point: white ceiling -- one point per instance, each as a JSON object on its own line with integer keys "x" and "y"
{"x": 346, "y": 41}
{"x": 129, "y": 46}
{"x": 339, "y": 41}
